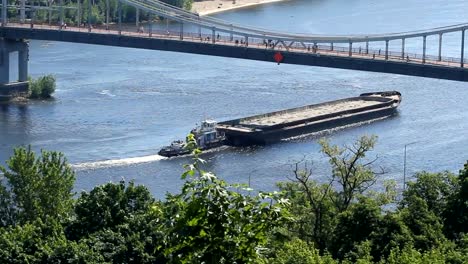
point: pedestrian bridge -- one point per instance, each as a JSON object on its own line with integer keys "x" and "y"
{"x": 210, "y": 36}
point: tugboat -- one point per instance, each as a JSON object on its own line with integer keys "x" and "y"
{"x": 206, "y": 135}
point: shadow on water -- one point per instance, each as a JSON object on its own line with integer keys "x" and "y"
{"x": 4, "y": 107}
{"x": 14, "y": 117}
{"x": 15, "y": 111}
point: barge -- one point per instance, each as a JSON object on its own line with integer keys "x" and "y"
{"x": 271, "y": 127}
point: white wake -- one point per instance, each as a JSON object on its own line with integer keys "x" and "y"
{"x": 116, "y": 162}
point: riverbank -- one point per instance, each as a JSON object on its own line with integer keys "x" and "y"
{"x": 216, "y": 6}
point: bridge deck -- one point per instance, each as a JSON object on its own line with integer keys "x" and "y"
{"x": 258, "y": 43}
{"x": 296, "y": 53}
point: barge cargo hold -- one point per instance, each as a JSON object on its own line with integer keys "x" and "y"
{"x": 270, "y": 127}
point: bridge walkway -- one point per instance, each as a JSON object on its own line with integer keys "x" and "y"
{"x": 255, "y": 43}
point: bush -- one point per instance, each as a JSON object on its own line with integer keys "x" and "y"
{"x": 34, "y": 89}
{"x": 299, "y": 252}
{"x": 42, "y": 87}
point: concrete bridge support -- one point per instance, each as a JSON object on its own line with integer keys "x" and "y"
{"x": 89, "y": 16}
{"x": 8, "y": 87}
{"x": 403, "y": 48}
{"x": 439, "y": 58}
{"x": 386, "y": 49}
{"x": 119, "y": 8}
{"x": 79, "y": 13}
{"x": 22, "y": 11}
{"x": 181, "y": 31}
{"x": 107, "y": 14}
{"x": 150, "y": 25}
{"x": 424, "y": 49}
{"x": 462, "y": 55}
{"x": 4, "y": 13}
{"x": 61, "y": 14}
{"x": 137, "y": 18}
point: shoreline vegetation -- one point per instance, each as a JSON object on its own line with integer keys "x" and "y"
{"x": 217, "y": 6}
{"x": 340, "y": 219}
{"x": 42, "y": 87}
{"x": 98, "y": 11}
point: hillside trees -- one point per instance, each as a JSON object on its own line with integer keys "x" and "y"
{"x": 342, "y": 220}
{"x": 120, "y": 221}
{"x": 97, "y": 14}
{"x": 456, "y": 214}
{"x": 344, "y": 217}
{"x": 316, "y": 206}
{"x": 211, "y": 221}
{"x": 35, "y": 187}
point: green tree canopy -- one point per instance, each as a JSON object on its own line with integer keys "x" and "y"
{"x": 35, "y": 187}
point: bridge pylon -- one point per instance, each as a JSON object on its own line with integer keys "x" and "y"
{"x": 10, "y": 88}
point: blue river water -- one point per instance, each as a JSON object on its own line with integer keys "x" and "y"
{"x": 115, "y": 107}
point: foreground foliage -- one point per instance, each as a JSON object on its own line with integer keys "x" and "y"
{"x": 342, "y": 220}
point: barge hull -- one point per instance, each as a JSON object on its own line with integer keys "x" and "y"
{"x": 239, "y": 134}
{"x": 241, "y": 139}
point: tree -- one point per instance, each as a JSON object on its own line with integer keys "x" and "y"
{"x": 107, "y": 207}
{"x": 186, "y": 4}
{"x": 425, "y": 226}
{"x": 456, "y": 214}
{"x": 98, "y": 12}
{"x": 8, "y": 213}
{"x": 119, "y": 221}
{"x": 391, "y": 233}
{"x": 316, "y": 206}
{"x": 299, "y": 252}
{"x": 434, "y": 188}
{"x": 349, "y": 169}
{"x": 312, "y": 207}
{"x": 211, "y": 222}
{"x": 355, "y": 225}
{"x": 442, "y": 254}
{"x": 35, "y": 187}
{"x": 361, "y": 253}
{"x": 41, "y": 241}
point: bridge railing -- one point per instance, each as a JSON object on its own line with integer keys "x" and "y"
{"x": 259, "y": 43}
{"x": 392, "y": 55}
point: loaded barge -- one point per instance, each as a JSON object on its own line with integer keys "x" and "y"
{"x": 270, "y": 127}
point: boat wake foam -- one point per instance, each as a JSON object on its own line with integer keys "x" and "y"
{"x": 206, "y": 151}
{"x": 116, "y": 162}
{"x": 106, "y": 92}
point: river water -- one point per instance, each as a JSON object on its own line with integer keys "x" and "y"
{"x": 115, "y": 107}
